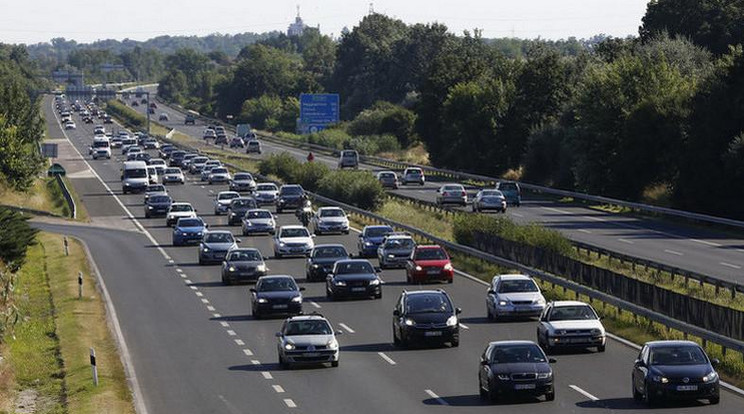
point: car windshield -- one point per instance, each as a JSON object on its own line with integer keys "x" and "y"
{"x": 258, "y": 214}
{"x": 426, "y": 303}
{"x": 570, "y": 313}
{"x": 160, "y": 199}
{"x": 190, "y": 223}
{"x": 157, "y": 162}
{"x": 199, "y": 160}
{"x": 452, "y": 188}
{"x": 219, "y": 238}
{"x": 181, "y": 207}
{"x": 295, "y": 233}
{"x": 243, "y": 202}
{"x": 399, "y": 244}
{"x": 492, "y": 193}
{"x": 155, "y": 189}
{"x": 228, "y": 196}
{"x": 244, "y": 256}
{"x": 515, "y": 354}
{"x": 283, "y": 284}
{"x": 377, "y": 231}
{"x": 677, "y": 355}
{"x": 346, "y": 268}
{"x": 291, "y": 191}
{"x": 242, "y": 176}
{"x": 518, "y": 285}
{"x": 335, "y": 251}
{"x": 266, "y": 187}
{"x": 430, "y": 254}
{"x": 219, "y": 171}
{"x": 413, "y": 172}
{"x": 310, "y": 327}
{"x": 332, "y": 213}
{"x": 136, "y": 173}
{"x": 172, "y": 171}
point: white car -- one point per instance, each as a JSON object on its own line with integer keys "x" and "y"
{"x": 70, "y": 125}
{"x": 514, "y": 295}
{"x": 266, "y": 193}
{"x": 219, "y": 175}
{"x": 177, "y": 211}
{"x": 292, "y": 241}
{"x": 330, "y": 220}
{"x": 159, "y": 165}
{"x": 570, "y": 324}
{"x": 101, "y": 148}
{"x": 173, "y": 175}
{"x": 243, "y": 181}
{"x": 303, "y": 333}
{"x": 258, "y": 221}
{"x": 152, "y": 175}
{"x": 223, "y": 200}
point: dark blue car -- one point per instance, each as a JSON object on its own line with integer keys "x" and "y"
{"x": 371, "y": 238}
{"x": 188, "y": 230}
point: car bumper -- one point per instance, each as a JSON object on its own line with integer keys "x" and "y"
{"x": 157, "y": 211}
{"x": 341, "y": 228}
{"x": 293, "y": 251}
{"x": 576, "y": 341}
{"x": 432, "y": 335}
{"x": 289, "y": 205}
{"x": 453, "y": 200}
{"x": 242, "y": 275}
{"x": 671, "y": 392}
{"x": 536, "y": 387}
{"x": 369, "y": 251}
{"x": 243, "y": 187}
{"x": 356, "y": 291}
{"x": 212, "y": 256}
{"x": 394, "y": 261}
{"x": 311, "y": 357}
{"x": 265, "y": 200}
{"x": 258, "y": 229}
{"x": 318, "y": 273}
{"x": 292, "y": 308}
{"x": 187, "y": 239}
{"x": 221, "y": 208}
{"x": 426, "y": 276}
{"x": 518, "y": 311}
{"x": 172, "y": 180}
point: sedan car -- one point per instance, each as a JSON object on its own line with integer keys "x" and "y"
{"x": 206, "y": 171}
{"x": 452, "y": 194}
{"x": 243, "y": 264}
{"x": 157, "y": 205}
{"x": 353, "y": 278}
{"x": 330, "y": 220}
{"x": 159, "y": 165}
{"x": 276, "y": 295}
{"x": 243, "y": 182}
{"x": 258, "y": 221}
{"x": 395, "y": 250}
{"x": 489, "y": 200}
{"x": 321, "y": 260}
{"x": 209, "y": 133}
{"x": 215, "y": 245}
{"x": 425, "y": 316}
{"x": 292, "y": 241}
{"x": 675, "y": 370}
{"x": 197, "y": 163}
{"x": 223, "y": 200}
{"x": 307, "y": 339}
{"x": 370, "y": 239}
{"x": 265, "y": 193}
{"x": 570, "y": 324}
{"x": 154, "y": 189}
{"x": 178, "y": 211}
{"x": 429, "y": 263}
{"x": 219, "y": 175}
{"x": 413, "y": 175}
{"x": 515, "y": 368}
{"x": 388, "y": 179}
{"x": 237, "y": 209}
{"x": 70, "y": 125}
{"x": 188, "y": 230}
{"x": 513, "y": 295}
{"x": 290, "y": 197}
{"x": 173, "y": 175}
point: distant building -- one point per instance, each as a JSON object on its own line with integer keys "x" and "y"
{"x": 296, "y": 28}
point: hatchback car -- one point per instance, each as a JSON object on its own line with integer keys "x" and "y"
{"x": 159, "y": 165}
{"x": 266, "y": 193}
{"x": 395, "y": 250}
{"x": 242, "y": 181}
{"x": 258, "y": 221}
{"x": 151, "y": 143}
{"x": 236, "y": 142}
{"x": 489, "y": 200}
{"x": 163, "y": 117}
{"x": 388, "y": 179}
{"x": 370, "y": 239}
{"x": 188, "y": 230}
{"x": 253, "y": 146}
{"x": 330, "y": 220}
{"x": 276, "y": 295}
{"x": 237, "y": 209}
{"x": 675, "y": 370}
{"x": 353, "y": 278}
{"x": 196, "y": 164}
{"x": 219, "y": 175}
{"x": 321, "y": 260}
{"x": 452, "y": 194}
{"x": 292, "y": 241}
{"x": 223, "y": 200}
{"x": 243, "y": 265}
{"x": 215, "y": 245}
{"x": 189, "y": 120}
{"x": 413, "y": 175}
{"x": 429, "y": 263}
{"x": 515, "y": 296}
{"x": 179, "y": 211}
{"x": 515, "y": 368}
{"x": 425, "y": 316}
{"x": 570, "y": 324}
{"x": 157, "y": 205}
{"x": 173, "y": 175}
{"x": 307, "y": 339}
{"x": 154, "y": 189}
{"x": 290, "y": 197}
{"x": 511, "y": 191}
{"x": 209, "y": 133}
{"x": 348, "y": 159}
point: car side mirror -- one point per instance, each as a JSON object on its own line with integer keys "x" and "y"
{"x": 253, "y": 290}
{"x": 491, "y": 291}
{"x": 312, "y": 236}
{"x": 302, "y": 288}
{"x": 715, "y": 362}
{"x": 361, "y": 236}
{"x": 238, "y": 241}
{"x": 396, "y": 312}
{"x": 196, "y": 211}
{"x": 458, "y": 311}
{"x": 378, "y": 270}
{"x": 639, "y": 363}
{"x": 337, "y": 333}
{"x": 278, "y": 335}
{"x": 551, "y": 361}
{"x": 484, "y": 362}
{"x": 206, "y": 226}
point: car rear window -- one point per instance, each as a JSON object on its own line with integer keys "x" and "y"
{"x": 219, "y": 238}
{"x": 347, "y": 268}
{"x": 190, "y": 223}
{"x": 377, "y": 231}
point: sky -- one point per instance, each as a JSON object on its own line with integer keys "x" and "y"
{"x": 33, "y": 21}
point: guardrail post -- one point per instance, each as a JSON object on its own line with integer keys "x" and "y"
{"x": 733, "y": 292}
{"x": 705, "y": 342}
{"x": 723, "y": 351}
{"x": 67, "y": 249}
{"x": 718, "y": 287}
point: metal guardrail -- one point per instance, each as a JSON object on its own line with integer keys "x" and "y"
{"x": 67, "y": 195}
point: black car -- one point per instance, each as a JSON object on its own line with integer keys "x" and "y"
{"x": 237, "y": 209}
{"x": 157, "y": 205}
{"x": 189, "y": 120}
{"x": 674, "y": 370}
{"x": 353, "y": 278}
{"x": 425, "y": 316}
{"x": 290, "y": 197}
{"x": 166, "y": 150}
{"x": 276, "y": 295}
{"x": 243, "y": 264}
{"x": 515, "y": 368}
{"x": 176, "y": 157}
{"x": 321, "y": 260}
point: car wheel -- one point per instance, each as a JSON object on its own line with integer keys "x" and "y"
{"x": 474, "y": 209}
{"x": 378, "y": 296}
{"x": 278, "y": 210}
{"x": 714, "y": 400}
{"x": 225, "y": 281}
{"x": 455, "y": 343}
{"x": 546, "y": 347}
{"x": 282, "y": 362}
{"x": 483, "y": 393}
{"x": 637, "y": 396}
{"x": 277, "y": 255}
{"x": 396, "y": 340}
{"x": 451, "y": 280}
{"x": 489, "y": 315}
{"x": 550, "y": 396}
{"x": 201, "y": 261}
{"x": 493, "y": 396}
{"x": 601, "y": 348}
{"x": 647, "y": 397}
{"x": 334, "y": 364}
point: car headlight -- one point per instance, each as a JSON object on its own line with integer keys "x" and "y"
{"x": 712, "y": 376}
{"x": 248, "y": 223}
{"x": 261, "y": 267}
{"x": 502, "y": 303}
{"x": 374, "y": 282}
{"x": 205, "y": 249}
{"x": 315, "y": 266}
{"x": 409, "y": 322}
{"x": 391, "y": 256}
{"x": 503, "y": 377}
{"x": 418, "y": 268}
{"x": 149, "y": 207}
{"x": 289, "y": 346}
{"x": 367, "y": 243}
{"x": 297, "y": 299}
{"x": 452, "y": 321}
{"x": 540, "y": 301}
{"x": 339, "y": 283}
{"x": 262, "y": 300}
{"x": 231, "y": 269}
{"x": 659, "y": 378}
{"x": 332, "y": 344}
{"x": 544, "y": 375}
{"x": 282, "y": 244}
{"x": 448, "y": 267}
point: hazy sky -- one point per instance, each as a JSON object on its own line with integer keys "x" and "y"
{"x": 32, "y": 21}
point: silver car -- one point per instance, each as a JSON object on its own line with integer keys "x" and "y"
{"x": 570, "y": 324}
{"x": 293, "y": 241}
{"x": 489, "y": 200}
{"x": 219, "y": 175}
{"x": 330, "y": 220}
{"x": 413, "y": 175}
{"x": 242, "y": 182}
{"x": 173, "y": 175}
{"x": 223, "y": 200}
{"x": 266, "y": 193}
{"x": 515, "y": 296}
{"x": 388, "y": 179}
{"x": 452, "y": 194}
{"x": 395, "y": 250}
{"x": 307, "y": 339}
{"x": 215, "y": 245}
{"x": 258, "y": 221}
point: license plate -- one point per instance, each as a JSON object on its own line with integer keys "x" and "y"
{"x": 311, "y": 354}
{"x": 280, "y": 306}
{"x": 297, "y": 250}
{"x": 433, "y": 333}
{"x": 524, "y": 386}
{"x": 433, "y": 272}
{"x": 358, "y": 289}
{"x": 687, "y": 387}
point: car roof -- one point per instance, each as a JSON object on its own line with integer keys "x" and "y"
{"x": 307, "y": 317}
{"x": 512, "y": 277}
{"x": 378, "y": 226}
{"x": 245, "y": 249}
{"x": 258, "y": 209}
{"x": 181, "y": 203}
{"x": 258, "y": 184}
{"x": 275, "y": 277}
{"x": 330, "y": 208}
{"x": 654, "y": 344}
{"x": 320, "y": 246}
{"x": 353, "y": 261}
{"x": 227, "y": 192}
{"x": 512, "y": 342}
{"x": 429, "y": 247}
{"x": 220, "y": 232}
{"x": 425, "y": 292}
{"x": 292, "y": 226}
{"x": 559, "y": 303}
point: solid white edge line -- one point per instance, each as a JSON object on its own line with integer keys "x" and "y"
{"x": 439, "y": 399}
{"x": 386, "y": 358}
{"x": 584, "y": 393}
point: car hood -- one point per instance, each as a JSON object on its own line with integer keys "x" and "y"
{"x": 305, "y": 240}
{"x": 218, "y": 246}
{"x": 182, "y": 214}
{"x": 260, "y": 221}
{"x": 355, "y": 277}
{"x": 266, "y": 193}
{"x": 520, "y": 296}
{"x": 521, "y": 367}
{"x": 397, "y": 251}
{"x": 433, "y": 263}
{"x": 290, "y": 197}
{"x": 576, "y": 324}
{"x": 374, "y": 240}
{"x": 305, "y": 340}
{"x": 285, "y": 294}
{"x": 679, "y": 371}
{"x": 429, "y": 317}
{"x": 190, "y": 229}
{"x": 224, "y": 202}
{"x": 243, "y": 181}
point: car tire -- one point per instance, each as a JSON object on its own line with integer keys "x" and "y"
{"x": 647, "y": 397}
{"x": 489, "y": 315}
{"x": 396, "y": 340}
{"x": 451, "y": 280}
{"x": 201, "y": 262}
{"x": 277, "y": 255}
{"x": 601, "y": 348}
{"x": 334, "y": 364}
{"x": 550, "y": 396}
{"x": 714, "y": 400}
{"x": 481, "y": 392}
{"x": 637, "y": 396}
{"x": 225, "y": 282}
{"x": 493, "y": 396}
{"x": 455, "y": 343}
{"x": 378, "y": 296}
{"x": 282, "y": 362}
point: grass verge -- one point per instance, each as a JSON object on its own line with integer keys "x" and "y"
{"x": 45, "y": 195}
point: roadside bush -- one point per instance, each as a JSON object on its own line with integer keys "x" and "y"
{"x": 16, "y": 237}
{"x": 333, "y": 138}
{"x": 374, "y": 144}
{"x": 359, "y": 188}
{"x": 130, "y": 117}
{"x": 283, "y": 166}
{"x": 309, "y": 175}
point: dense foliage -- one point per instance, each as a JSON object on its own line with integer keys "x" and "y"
{"x": 17, "y": 235}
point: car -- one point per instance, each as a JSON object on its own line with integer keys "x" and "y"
{"x": 154, "y": 189}
{"x": 276, "y": 294}
{"x": 413, "y": 175}
{"x": 157, "y": 205}
{"x": 220, "y": 139}
{"x": 153, "y": 105}
{"x": 513, "y": 295}
{"x": 151, "y": 111}
{"x": 197, "y": 164}
{"x": 176, "y": 157}
{"x": 236, "y": 142}
{"x": 173, "y": 175}
{"x": 330, "y": 220}
{"x": 116, "y": 142}
{"x": 348, "y": 159}
{"x": 429, "y": 263}
{"x": 674, "y": 370}
{"x": 222, "y": 201}
{"x": 265, "y": 193}
{"x": 101, "y": 148}
{"x": 134, "y": 177}
{"x": 209, "y": 133}
{"x": 321, "y": 259}
{"x": 292, "y": 241}
{"x": 132, "y": 149}
{"x": 159, "y": 165}
{"x": 165, "y": 150}
{"x": 489, "y": 200}
{"x": 219, "y": 175}
{"x": 187, "y": 159}
{"x": 394, "y": 250}
{"x": 151, "y": 143}
{"x": 143, "y": 101}
{"x": 219, "y": 129}
{"x": 290, "y": 196}
{"x": 99, "y": 130}
{"x": 253, "y": 146}
{"x": 127, "y": 143}
{"x": 307, "y": 339}
{"x": 353, "y": 278}
{"x": 135, "y": 103}
{"x": 88, "y": 120}
{"x": 570, "y": 324}
{"x": 70, "y": 125}
{"x": 258, "y": 221}
{"x": 243, "y": 264}
{"x": 515, "y": 368}
{"x": 188, "y": 230}
{"x": 388, "y": 179}
{"x": 511, "y": 191}
{"x": 189, "y": 120}
{"x": 237, "y": 209}
{"x": 107, "y": 119}
{"x": 139, "y": 156}
{"x": 179, "y": 211}
{"x": 215, "y": 245}
{"x": 206, "y": 171}
{"x": 242, "y": 181}
{"x": 162, "y": 117}
{"x": 152, "y": 172}
{"x": 370, "y": 239}
{"x": 425, "y": 316}
{"x": 452, "y": 194}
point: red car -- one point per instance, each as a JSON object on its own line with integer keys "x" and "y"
{"x": 429, "y": 263}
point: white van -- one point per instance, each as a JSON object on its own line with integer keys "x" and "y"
{"x": 134, "y": 177}
{"x": 101, "y": 148}
{"x": 348, "y": 158}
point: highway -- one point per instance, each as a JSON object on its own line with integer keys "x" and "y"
{"x": 196, "y": 349}
{"x": 687, "y": 247}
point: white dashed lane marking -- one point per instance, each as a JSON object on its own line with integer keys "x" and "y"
{"x": 436, "y": 397}
{"x": 267, "y": 375}
{"x": 463, "y": 326}
{"x": 231, "y": 332}
{"x": 313, "y": 304}
{"x": 585, "y": 231}
{"x": 290, "y": 403}
{"x": 346, "y": 327}
{"x": 626, "y": 241}
{"x": 733, "y": 266}
{"x": 386, "y": 358}
{"x": 248, "y": 352}
{"x": 674, "y": 252}
{"x": 239, "y": 342}
{"x": 224, "y": 324}
{"x": 584, "y": 393}
{"x": 278, "y": 388}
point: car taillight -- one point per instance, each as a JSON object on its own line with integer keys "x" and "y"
{"x": 463, "y": 194}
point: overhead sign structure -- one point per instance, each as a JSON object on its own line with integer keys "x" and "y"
{"x": 318, "y": 110}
